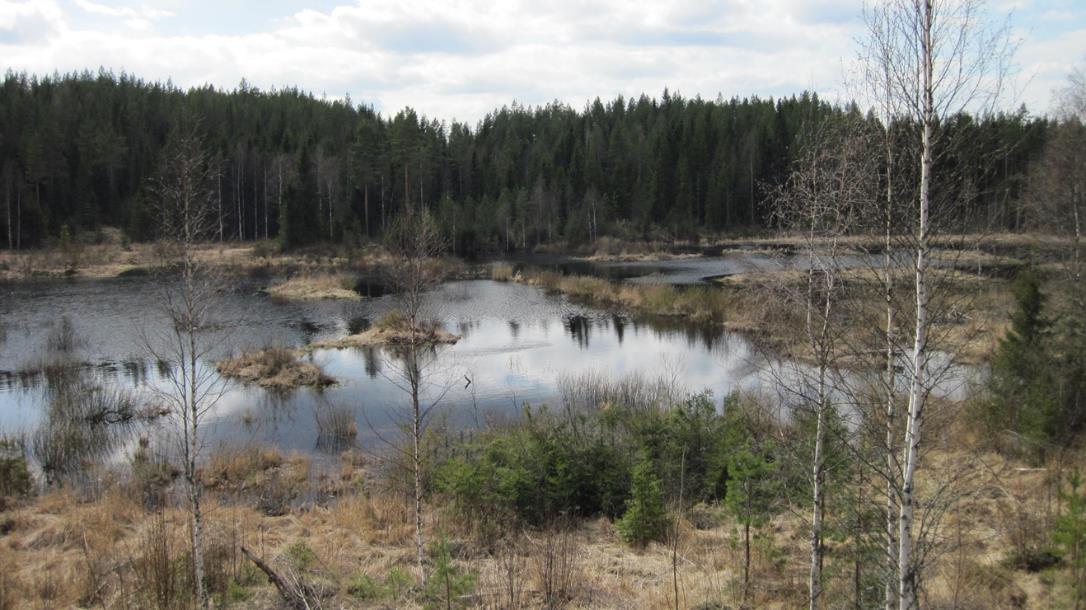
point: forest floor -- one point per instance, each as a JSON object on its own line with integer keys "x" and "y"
{"x": 346, "y": 530}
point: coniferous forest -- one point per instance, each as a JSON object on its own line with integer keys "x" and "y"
{"x": 77, "y": 151}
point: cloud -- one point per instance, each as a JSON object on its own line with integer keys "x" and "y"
{"x": 29, "y": 23}
{"x": 141, "y": 18}
{"x": 464, "y": 58}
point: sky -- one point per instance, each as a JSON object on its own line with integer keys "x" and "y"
{"x": 460, "y": 59}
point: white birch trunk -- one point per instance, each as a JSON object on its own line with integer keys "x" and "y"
{"x": 907, "y": 576}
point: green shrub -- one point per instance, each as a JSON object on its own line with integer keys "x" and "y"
{"x": 645, "y": 519}
{"x": 536, "y": 473}
{"x": 448, "y": 583}
{"x": 365, "y": 588}
{"x": 551, "y": 466}
{"x": 397, "y": 582}
{"x": 1070, "y": 533}
{"x": 301, "y": 555}
{"x": 15, "y": 479}
{"x": 236, "y": 593}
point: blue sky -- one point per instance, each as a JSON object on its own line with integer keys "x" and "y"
{"x": 462, "y": 58}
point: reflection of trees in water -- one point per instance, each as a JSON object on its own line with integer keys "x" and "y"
{"x": 137, "y": 372}
{"x": 707, "y": 336}
{"x": 464, "y": 329}
{"x": 358, "y": 324}
{"x": 83, "y": 423}
{"x": 579, "y": 327}
{"x": 308, "y": 328}
{"x": 619, "y": 323}
{"x": 271, "y": 412}
{"x": 372, "y": 357}
{"x": 337, "y": 430}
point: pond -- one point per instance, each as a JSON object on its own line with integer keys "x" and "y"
{"x": 518, "y": 345}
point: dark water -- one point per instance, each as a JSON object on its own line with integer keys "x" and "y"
{"x": 518, "y": 344}
{"x": 680, "y": 271}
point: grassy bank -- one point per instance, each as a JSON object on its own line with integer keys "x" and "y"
{"x": 116, "y": 259}
{"x": 697, "y": 303}
{"x": 768, "y": 306}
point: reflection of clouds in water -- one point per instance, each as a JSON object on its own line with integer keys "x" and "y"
{"x": 517, "y": 342}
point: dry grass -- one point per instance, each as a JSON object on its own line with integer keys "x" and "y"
{"x": 969, "y": 318}
{"x": 698, "y": 303}
{"x": 61, "y": 551}
{"x": 274, "y": 367}
{"x": 315, "y": 287}
{"x": 392, "y": 329}
{"x": 502, "y": 272}
{"x": 112, "y": 259}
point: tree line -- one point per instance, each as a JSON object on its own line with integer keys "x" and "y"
{"x": 79, "y": 150}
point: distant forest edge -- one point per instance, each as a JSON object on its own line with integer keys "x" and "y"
{"x": 78, "y": 151}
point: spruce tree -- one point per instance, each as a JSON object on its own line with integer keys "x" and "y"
{"x": 645, "y": 519}
{"x": 1021, "y": 384}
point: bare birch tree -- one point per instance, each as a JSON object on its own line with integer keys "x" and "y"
{"x": 415, "y": 242}
{"x": 185, "y": 199}
{"x": 833, "y": 177}
{"x": 935, "y": 59}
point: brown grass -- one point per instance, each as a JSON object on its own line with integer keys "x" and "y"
{"x": 315, "y": 287}
{"x": 112, "y": 259}
{"x": 392, "y": 329}
{"x": 699, "y": 303}
{"x": 62, "y": 551}
{"x": 274, "y": 367}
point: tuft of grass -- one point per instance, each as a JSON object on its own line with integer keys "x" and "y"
{"x": 315, "y": 287}
{"x": 63, "y": 338}
{"x": 393, "y": 321}
{"x": 274, "y": 367}
{"x": 336, "y": 427}
{"x": 502, "y": 272}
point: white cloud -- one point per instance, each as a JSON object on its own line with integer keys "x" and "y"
{"x": 30, "y": 22}
{"x": 463, "y": 58}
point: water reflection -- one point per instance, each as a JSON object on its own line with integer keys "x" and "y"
{"x": 358, "y": 324}
{"x": 580, "y": 328}
{"x": 619, "y": 324}
{"x": 517, "y": 343}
